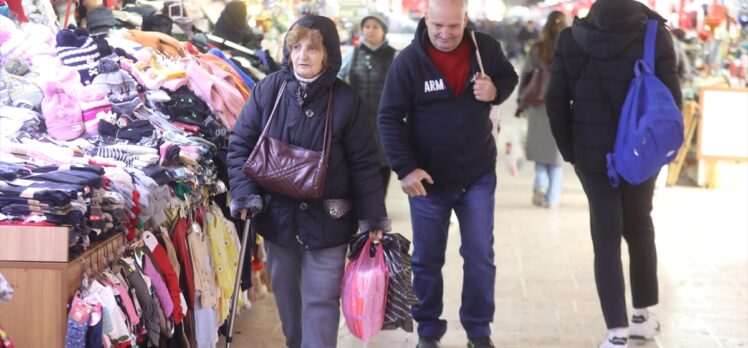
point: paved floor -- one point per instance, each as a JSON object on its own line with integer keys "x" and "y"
{"x": 545, "y": 290}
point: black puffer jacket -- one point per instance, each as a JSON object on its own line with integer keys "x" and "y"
{"x": 590, "y": 75}
{"x": 368, "y": 72}
{"x": 353, "y": 168}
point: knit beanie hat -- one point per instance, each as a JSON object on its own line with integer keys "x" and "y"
{"x": 158, "y": 22}
{"x": 62, "y": 113}
{"x": 20, "y": 92}
{"x": 119, "y": 86}
{"x": 95, "y": 106}
{"x": 79, "y": 52}
{"x": 377, "y": 17}
{"x": 100, "y": 20}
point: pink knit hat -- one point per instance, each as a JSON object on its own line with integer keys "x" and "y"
{"x": 93, "y": 104}
{"x": 62, "y": 113}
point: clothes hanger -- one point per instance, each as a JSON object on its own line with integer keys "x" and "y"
{"x": 85, "y": 278}
{"x": 231, "y": 44}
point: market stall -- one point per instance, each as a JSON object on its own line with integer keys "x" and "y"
{"x": 114, "y": 226}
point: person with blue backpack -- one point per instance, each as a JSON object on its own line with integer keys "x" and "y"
{"x": 613, "y": 103}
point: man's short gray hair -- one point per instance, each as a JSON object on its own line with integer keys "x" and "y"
{"x": 464, "y": 2}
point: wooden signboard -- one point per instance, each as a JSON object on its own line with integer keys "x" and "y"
{"x": 723, "y": 125}
{"x": 723, "y": 129}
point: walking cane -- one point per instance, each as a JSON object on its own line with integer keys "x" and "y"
{"x": 237, "y": 284}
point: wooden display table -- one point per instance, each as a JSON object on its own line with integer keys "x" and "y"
{"x": 37, "y": 314}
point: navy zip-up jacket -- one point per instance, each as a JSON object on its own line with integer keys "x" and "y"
{"x": 423, "y": 125}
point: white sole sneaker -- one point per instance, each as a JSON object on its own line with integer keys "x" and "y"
{"x": 614, "y": 342}
{"x": 642, "y": 328}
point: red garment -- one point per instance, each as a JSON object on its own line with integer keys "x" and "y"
{"x": 454, "y": 65}
{"x": 187, "y": 127}
{"x": 16, "y": 6}
{"x": 136, "y": 206}
{"x": 100, "y": 164}
{"x": 171, "y": 279}
{"x": 179, "y": 238}
{"x": 5, "y": 340}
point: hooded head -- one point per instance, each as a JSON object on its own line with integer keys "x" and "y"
{"x": 330, "y": 41}
{"x": 232, "y": 25}
{"x": 611, "y": 26}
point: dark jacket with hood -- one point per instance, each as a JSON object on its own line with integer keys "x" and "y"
{"x": 423, "y": 125}
{"x": 352, "y": 181}
{"x": 590, "y": 75}
{"x": 232, "y": 25}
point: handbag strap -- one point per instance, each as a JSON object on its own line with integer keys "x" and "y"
{"x": 275, "y": 106}
{"x": 328, "y": 121}
{"x": 328, "y": 128}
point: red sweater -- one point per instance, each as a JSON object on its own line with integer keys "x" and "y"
{"x": 454, "y": 65}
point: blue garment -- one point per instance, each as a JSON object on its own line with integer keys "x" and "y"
{"x": 5, "y": 11}
{"x": 430, "y": 218}
{"x": 423, "y": 125}
{"x": 550, "y": 178}
{"x": 345, "y": 68}
{"x": 263, "y": 57}
{"x": 216, "y": 52}
{"x": 205, "y": 325}
{"x": 76, "y": 334}
{"x": 95, "y": 334}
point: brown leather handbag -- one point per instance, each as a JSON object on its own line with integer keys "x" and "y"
{"x": 533, "y": 93}
{"x": 286, "y": 169}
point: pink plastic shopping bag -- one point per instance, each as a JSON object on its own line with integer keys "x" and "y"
{"x": 364, "y": 292}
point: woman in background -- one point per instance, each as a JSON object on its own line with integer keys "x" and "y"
{"x": 541, "y": 147}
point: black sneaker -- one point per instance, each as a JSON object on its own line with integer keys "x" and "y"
{"x": 427, "y": 342}
{"x": 480, "y": 342}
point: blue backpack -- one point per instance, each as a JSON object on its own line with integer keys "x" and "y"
{"x": 650, "y": 131}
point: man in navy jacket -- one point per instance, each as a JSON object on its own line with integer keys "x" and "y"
{"x": 434, "y": 124}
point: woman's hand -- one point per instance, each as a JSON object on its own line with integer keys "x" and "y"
{"x": 375, "y": 236}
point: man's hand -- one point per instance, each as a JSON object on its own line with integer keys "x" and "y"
{"x": 484, "y": 89}
{"x": 411, "y": 183}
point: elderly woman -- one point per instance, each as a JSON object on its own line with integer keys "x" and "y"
{"x": 306, "y": 239}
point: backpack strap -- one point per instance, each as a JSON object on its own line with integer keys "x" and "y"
{"x": 649, "y": 44}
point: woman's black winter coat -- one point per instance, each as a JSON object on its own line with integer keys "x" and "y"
{"x": 591, "y": 70}
{"x": 353, "y": 167}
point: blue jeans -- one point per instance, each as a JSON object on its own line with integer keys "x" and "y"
{"x": 549, "y": 177}
{"x": 430, "y": 217}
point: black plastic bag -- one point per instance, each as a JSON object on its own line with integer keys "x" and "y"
{"x": 400, "y": 295}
